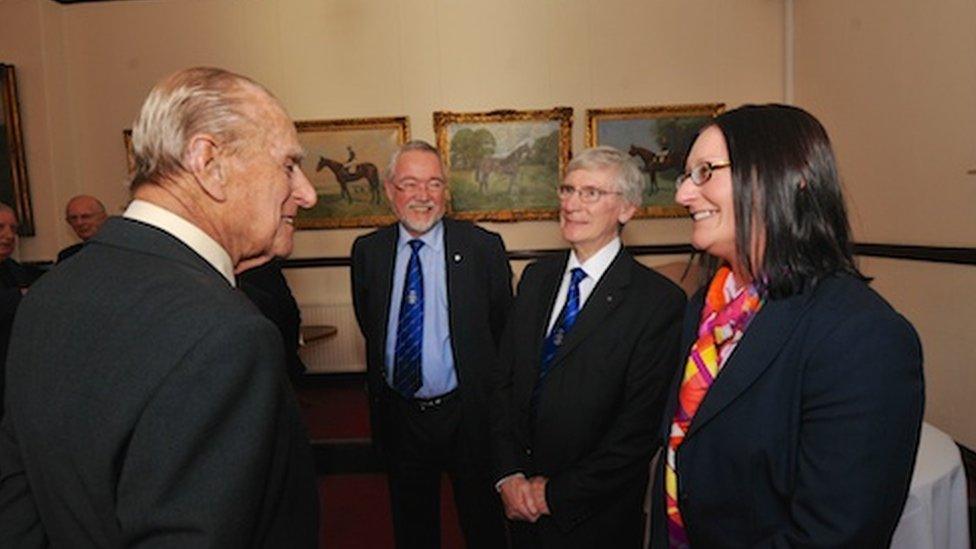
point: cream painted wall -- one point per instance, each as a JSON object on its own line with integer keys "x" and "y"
{"x": 894, "y": 82}
{"x": 349, "y": 58}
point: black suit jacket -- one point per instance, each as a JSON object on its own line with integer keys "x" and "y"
{"x": 807, "y": 438}
{"x": 479, "y": 295}
{"x": 13, "y": 277}
{"x": 146, "y": 405}
{"x": 69, "y": 251}
{"x": 598, "y": 414}
{"x": 267, "y": 288}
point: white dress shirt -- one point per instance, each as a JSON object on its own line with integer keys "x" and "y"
{"x": 184, "y": 231}
{"x": 594, "y": 267}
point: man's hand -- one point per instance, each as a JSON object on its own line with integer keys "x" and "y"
{"x": 537, "y": 493}
{"x": 517, "y": 499}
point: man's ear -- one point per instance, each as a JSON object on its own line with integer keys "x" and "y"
{"x": 205, "y": 160}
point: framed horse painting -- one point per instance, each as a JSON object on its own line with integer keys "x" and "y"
{"x": 344, "y": 160}
{"x": 14, "y": 190}
{"x": 657, "y": 138}
{"x": 505, "y": 165}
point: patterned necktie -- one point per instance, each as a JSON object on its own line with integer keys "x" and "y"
{"x": 722, "y": 325}
{"x": 555, "y": 339}
{"x": 407, "y": 371}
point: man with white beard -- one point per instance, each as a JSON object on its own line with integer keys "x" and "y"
{"x": 431, "y": 296}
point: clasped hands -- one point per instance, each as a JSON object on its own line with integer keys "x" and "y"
{"x": 524, "y": 499}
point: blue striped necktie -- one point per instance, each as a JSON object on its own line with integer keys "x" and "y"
{"x": 407, "y": 371}
{"x": 559, "y": 331}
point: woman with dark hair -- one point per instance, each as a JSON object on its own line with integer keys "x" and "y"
{"x": 796, "y": 419}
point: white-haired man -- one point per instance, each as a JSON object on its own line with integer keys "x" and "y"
{"x": 583, "y": 367}
{"x": 147, "y": 404}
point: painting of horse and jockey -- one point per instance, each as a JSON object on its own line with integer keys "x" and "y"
{"x": 504, "y": 165}
{"x": 657, "y": 138}
{"x": 344, "y": 161}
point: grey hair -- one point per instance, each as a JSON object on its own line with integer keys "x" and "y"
{"x": 413, "y": 145}
{"x": 627, "y": 176}
{"x": 191, "y": 102}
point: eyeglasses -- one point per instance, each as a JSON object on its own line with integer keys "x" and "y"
{"x": 701, "y": 173}
{"x": 413, "y": 185}
{"x": 587, "y": 195}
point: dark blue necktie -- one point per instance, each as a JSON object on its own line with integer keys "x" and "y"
{"x": 407, "y": 371}
{"x": 555, "y": 339}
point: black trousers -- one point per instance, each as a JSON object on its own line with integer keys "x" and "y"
{"x": 423, "y": 444}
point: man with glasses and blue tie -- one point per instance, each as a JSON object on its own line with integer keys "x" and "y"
{"x": 583, "y": 368}
{"x": 431, "y": 296}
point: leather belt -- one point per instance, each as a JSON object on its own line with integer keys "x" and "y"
{"x": 425, "y": 404}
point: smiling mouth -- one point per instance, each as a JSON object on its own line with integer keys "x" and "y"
{"x": 702, "y": 214}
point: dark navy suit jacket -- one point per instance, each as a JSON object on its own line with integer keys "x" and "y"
{"x": 807, "y": 438}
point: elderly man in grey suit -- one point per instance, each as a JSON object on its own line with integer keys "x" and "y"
{"x": 146, "y": 403}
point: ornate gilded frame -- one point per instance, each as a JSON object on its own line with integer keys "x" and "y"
{"x": 375, "y": 139}
{"x": 532, "y": 175}
{"x": 14, "y": 186}
{"x": 619, "y": 127}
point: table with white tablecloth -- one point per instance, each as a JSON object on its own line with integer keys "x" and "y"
{"x": 936, "y": 513}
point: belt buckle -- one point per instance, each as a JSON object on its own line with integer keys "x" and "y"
{"x": 424, "y": 405}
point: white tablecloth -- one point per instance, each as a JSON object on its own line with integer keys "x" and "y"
{"x": 936, "y": 513}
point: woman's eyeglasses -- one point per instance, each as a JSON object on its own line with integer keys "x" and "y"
{"x": 701, "y": 173}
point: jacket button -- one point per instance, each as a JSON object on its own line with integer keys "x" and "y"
{"x": 528, "y": 452}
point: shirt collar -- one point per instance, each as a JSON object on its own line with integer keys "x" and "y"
{"x": 598, "y": 263}
{"x": 432, "y": 239}
{"x": 184, "y": 231}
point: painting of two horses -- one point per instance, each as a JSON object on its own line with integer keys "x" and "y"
{"x": 344, "y": 161}
{"x": 504, "y": 165}
{"x": 657, "y": 138}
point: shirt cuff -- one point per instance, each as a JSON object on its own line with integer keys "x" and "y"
{"x": 503, "y": 480}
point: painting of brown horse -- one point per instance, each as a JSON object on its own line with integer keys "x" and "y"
{"x": 507, "y": 165}
{"x": 655, "y": 162}
{"x": 364, "y": 170}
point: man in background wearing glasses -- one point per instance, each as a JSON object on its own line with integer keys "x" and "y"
{"x": 582, "y": 373}
{"x": 431, "y": 296}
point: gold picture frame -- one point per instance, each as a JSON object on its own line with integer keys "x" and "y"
{"x": 504, "y": 165}
{"x": 345, "y": 160}
{"x": 14, "y": 186}
{"x": 658, "y": 137}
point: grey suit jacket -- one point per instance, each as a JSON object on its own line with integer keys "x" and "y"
{"x": 146, "y": 406}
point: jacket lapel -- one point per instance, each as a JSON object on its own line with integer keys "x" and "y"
{"x": 385, "y": 259}
{"x": 607, "y": 295}
{"x": 759, "y": 346}
{"x": 547, "y": 300}
{"x": 454, "y": 255}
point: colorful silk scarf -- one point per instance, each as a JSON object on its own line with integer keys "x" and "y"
{"x": 722, "y": 325}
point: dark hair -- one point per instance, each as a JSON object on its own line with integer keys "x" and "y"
{"x": 785, "y": 187}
